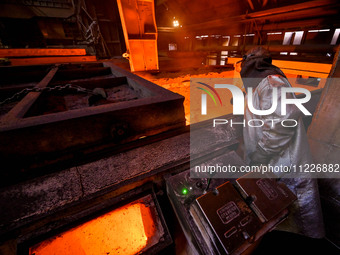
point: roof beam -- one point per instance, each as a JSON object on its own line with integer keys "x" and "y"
{"x": 291, "y": 12}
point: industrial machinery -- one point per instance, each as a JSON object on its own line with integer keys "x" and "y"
{"x": 92, "y": 152}
{"x": 227, "y": 216}
{"x": 85, "y": 104}
{"x": 140, "y": 32}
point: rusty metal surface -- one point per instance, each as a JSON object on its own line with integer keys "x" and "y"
{"x": 232, "y": 221}
{"x": 41, "y": 52}
{"x": 36, "y": 136}
{"x": 136, "y": 227}
{"x": 19, "y": 110}
{"x": 67, "y": 219}
{"x": 51, "y": 60}
{"x": 268, "y": 197}
{"x": 26, "y": 57}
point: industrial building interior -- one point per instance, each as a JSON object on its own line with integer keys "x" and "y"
{"x": 95, "y": 120}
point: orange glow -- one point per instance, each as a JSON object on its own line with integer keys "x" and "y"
{"x": 41, "y": 52}
{"x": 180, "y": 83}
{"x": 298, "y": 68}
{"x": 126, "y": 230}
{"x": 51, "y": 60}
{"x": 176, "y": 23}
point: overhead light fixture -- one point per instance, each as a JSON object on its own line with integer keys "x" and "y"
{"x": 320, "y": 30}
{"x": 274, "y": 33}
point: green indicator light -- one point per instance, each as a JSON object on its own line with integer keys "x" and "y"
{"x": 184, "y": 191}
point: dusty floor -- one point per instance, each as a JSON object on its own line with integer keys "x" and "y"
{"x": 179, "y": 82}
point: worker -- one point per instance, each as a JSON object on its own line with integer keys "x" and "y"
{"x": 279, "y": 145}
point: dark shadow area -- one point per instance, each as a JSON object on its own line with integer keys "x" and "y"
{"x": 279, "y": 242}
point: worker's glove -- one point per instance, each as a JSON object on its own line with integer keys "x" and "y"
{"x": 259, "y": 157}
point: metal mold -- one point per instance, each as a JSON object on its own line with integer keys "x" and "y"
{"x": 104, "y": 222}
{"x": 47, "y": 126}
